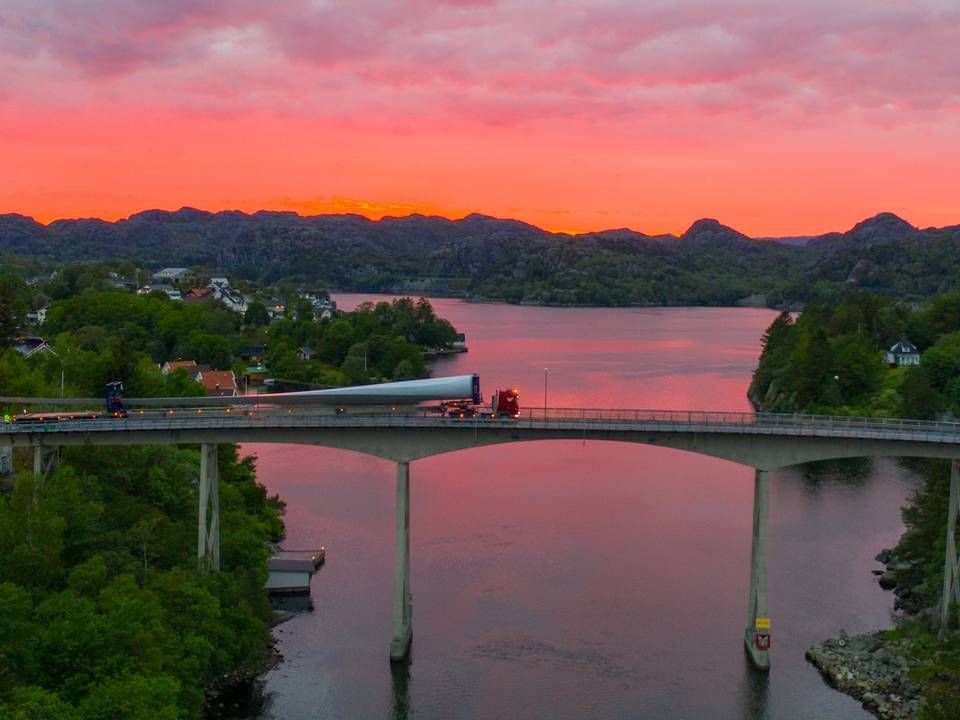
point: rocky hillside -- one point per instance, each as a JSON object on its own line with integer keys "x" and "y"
{"x": 488, "y": 257}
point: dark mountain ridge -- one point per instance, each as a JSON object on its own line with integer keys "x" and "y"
{"x": 710, "y": 263}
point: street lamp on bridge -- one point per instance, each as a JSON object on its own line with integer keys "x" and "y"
{"x": 546, "y": 374}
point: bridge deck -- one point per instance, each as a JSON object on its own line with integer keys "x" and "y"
{"x": 569, "y": 419}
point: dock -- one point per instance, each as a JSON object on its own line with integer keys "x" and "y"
{"x": 290, "y": 571}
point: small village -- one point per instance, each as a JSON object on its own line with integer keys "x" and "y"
{"x": 186, "y": 286}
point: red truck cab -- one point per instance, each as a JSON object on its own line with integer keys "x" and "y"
{"x": 506, "y": 403}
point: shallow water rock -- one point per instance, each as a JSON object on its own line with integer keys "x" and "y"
{"x": 870, "y": 670}
{"x": 887, "y": 581}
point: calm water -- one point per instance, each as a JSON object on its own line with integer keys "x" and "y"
{"x": 580, "y": 580}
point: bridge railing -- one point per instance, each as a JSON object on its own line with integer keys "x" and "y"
{"x": 707, "y": 417}
{"x": 688, "y": 420}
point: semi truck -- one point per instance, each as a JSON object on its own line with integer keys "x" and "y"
{"x": 503, "y": 403}
{"x": 459, "y": 395}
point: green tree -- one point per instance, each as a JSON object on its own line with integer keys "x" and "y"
{"x": 776, "y": 345}
{"x": 919, "y": 400}
{"x": 13, "y": 307}
{"x": 812, "y": 362}
{"x": 337, "y": 340}
{"x": 404, "y": 371}
{"x": 355, "y": 369}
{"x": 857, "y": 366}
{"x": 256, "y": 314}
{"x": 133, "y": 697}
{"x": 940, "y": 365}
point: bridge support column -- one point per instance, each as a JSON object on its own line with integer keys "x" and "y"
{"x": 45, "y": 459}
{"x": 951, "y": 568}
{"x": 757, "y": 635}
{"x": 6, "y": 460}
{"x": 402, "y": 599}
{"x": 208, "y": 516}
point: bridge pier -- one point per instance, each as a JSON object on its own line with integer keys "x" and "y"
{"x": 6, "y": 460}
{"x": 757, "y": 634}
{"x": 208, "y": 515}
{"x": 45, "y": 459}
{"x": 402, "y": 599}
{"x": 951, "y": 568}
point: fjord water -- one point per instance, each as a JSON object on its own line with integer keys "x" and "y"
{"x": 572, "y": 579}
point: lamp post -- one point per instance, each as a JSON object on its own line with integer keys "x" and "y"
{"x": 546, "y": 374}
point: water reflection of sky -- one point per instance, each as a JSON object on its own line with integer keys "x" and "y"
{"x": 572, "y": 579}
{"x": 614, "y": 357}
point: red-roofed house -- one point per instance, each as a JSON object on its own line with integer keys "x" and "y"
{"x": 198, "y": 295}
{"x": 193, "y": 370}
{"x": 219, "y": 383}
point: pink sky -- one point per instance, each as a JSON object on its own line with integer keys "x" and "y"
{"x": 775, "y": 117}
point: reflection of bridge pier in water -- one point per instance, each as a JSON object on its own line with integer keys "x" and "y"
{"x": 764, "y": 442}
{"x": 400, "y": 682}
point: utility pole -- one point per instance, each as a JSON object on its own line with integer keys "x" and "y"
{"x": 546, "y": 374}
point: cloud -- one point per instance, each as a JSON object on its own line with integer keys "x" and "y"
{"x": 691, "y": 69}
{"x": 495, "y": 62}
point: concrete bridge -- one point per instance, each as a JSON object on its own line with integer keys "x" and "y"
{"x": 762, "y": 441}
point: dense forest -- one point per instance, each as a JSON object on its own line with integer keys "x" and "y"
{"x": 831, "y": 360}
{"x": 104, "y": 613}
{"x": 484, "y": 257}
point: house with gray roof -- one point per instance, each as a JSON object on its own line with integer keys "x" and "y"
{"x": 902, "y": 354}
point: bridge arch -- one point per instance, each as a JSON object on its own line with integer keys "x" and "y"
{"x": 761, "y": 452}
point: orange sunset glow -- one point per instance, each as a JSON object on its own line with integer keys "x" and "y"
{"x": 777, "y": 118}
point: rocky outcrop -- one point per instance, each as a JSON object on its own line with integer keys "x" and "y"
{"x": 872, "y": 671}
{"x": 870, "y": 668}
{"x": 907, "y": 584}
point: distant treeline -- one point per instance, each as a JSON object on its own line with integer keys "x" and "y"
{"x": 483, "y": 257}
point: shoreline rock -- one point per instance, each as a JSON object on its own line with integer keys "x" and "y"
{"x": 868, "y": 667}
{"x": 871, "y": 670}
{"x": 240, "y": 694}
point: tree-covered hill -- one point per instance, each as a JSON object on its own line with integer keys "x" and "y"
{"x": 709, "y": 264}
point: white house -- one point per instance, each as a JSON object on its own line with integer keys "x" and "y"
{"x": 323, "y": 306}
{"x": 37, "y": 317}
{"x": 174, "y": 274}
{"x": 232, "y": 299}
{"x": 170, "y": 290}
{"x": 902, "y": 353}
